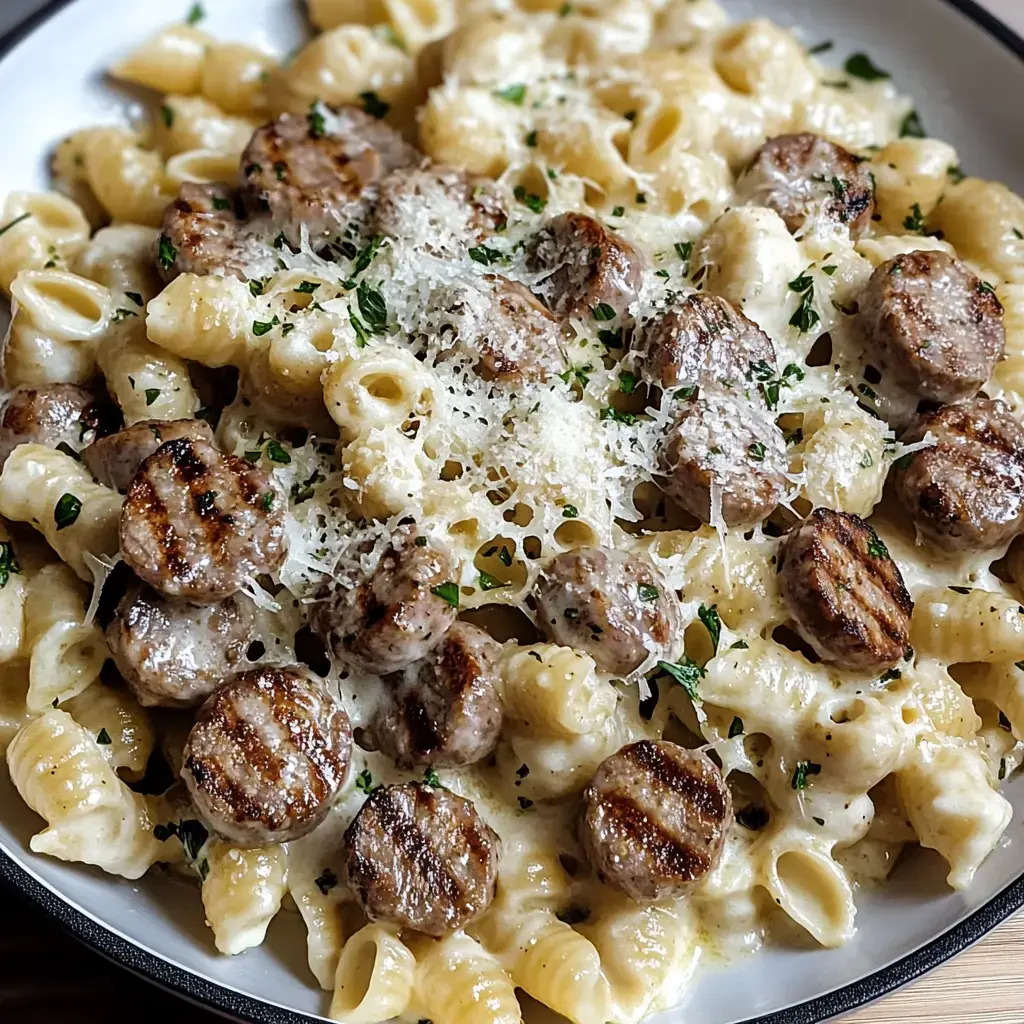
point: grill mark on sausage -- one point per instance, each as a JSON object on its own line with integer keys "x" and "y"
{"x": 650, "y": 759}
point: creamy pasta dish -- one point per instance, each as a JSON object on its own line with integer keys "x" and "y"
{"x": 533, "y": 489}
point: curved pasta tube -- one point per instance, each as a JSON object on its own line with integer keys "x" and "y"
{"x": 555, "y": 691}
{"x": 1003, "y": 685}
{"x": 1009, "y": 372}
{"x": 976, "y": 626}
{"x": 129, "y": 738}
{"x": 58, "y": 320}
{"x": 375, "y": 977}
{"x": 385, "y": 471}
{"x": 191, "y": 122}
{"x": 121, "y": 258}
{"x": 208, "y": 319}
{"x": 169, "y": 61}
{"x": 927, "y": 695}
{"x": 41, "y": 230}
{"x": 620, "y": 27}
{"x": 459, "y": 982}
{"x": 65, "y": 654}
{"x": 242, "y": 893}
{"x": 13, "y": 584}
{"x": 494, "y": 48}
{"x": 33, "y": 483}
{"x": 233, "y": 76}
{"x": 200, "y": 165}
{"x": 377, "y": 389}
{"x": 325, "y": 931}
{"x": 91, "y": 815}
{"x": 803, "y": 879}
{"x": 127, "y": 180}
{"x": 952, "y": 807}
{"x": 532, "y": 876}
{"x": 67, "y": 171}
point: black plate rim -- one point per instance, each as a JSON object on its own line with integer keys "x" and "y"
{"x": 183, "y": 982}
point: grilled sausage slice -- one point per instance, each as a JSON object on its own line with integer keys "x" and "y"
{"x": 115, "y": 459}
{"x": 722, "y": 441}
{"x": 320, "y": 171}
{"x": 57, "y": 414}
{"x": 398, "y": 615}
{"x": 197, "y": 523}
{"x": 509, "y": 332}
{"x": 614, "y": 606}
{"x": 967, "y": 492}
{"x": 438, "y": 207}
{"x": 655, "y": 818}
{"x": 421, "y": 858}
{"x": 266, "y": 756}
{"x": 804, "y": 178}
{"x": 173, "y": 654}
{"x": 931, "y": 325}
{"x": 587, "y": 266}
{"x": 445, "y": 710}
{"x": 844, "y": 591}
{"x": 204, "y": 231}
{"x": 704, "y": 341}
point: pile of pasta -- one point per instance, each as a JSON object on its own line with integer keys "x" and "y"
{"x": 641, "y": 112}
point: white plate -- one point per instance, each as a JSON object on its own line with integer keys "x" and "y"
{"x": 966, "y": 72}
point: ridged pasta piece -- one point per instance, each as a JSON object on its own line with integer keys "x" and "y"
{"x": 67, "y": 173}
{"x": 169, "y": 61}
{"x": 910, "y": 171}
{"x": 58, "y": 320}
{"x": 191, "y": 122}
{"x": 65, "y": 655}
{"x": 121, "y": 258}
{"x": 385, "y": 471}
{"x": 555, "y": 691}
{"x": 201, "y": 166}
{"x": 122, "y": 726}
{"x": 459, "y": 982}
{"x": 128, "y": 180}
{"x": 975, "y": 626}
{"x": 91, "y": 815}
{"x": 42, "y": 486}
{"x": 41, "y": 230}
{"x": 233, "y": 76}
{"x": 948, "y": 800}
{"x": 242, "y": 893}
{"x": 14, "y": 713}
{"x": 495, "y": 48}
{"x": 927, "y": 696}
{"x": 1009, "y": 372}
{"x": 798, "y": 871}
{"x": 1003, "y": 685}
{"x": 208, "y": 319}
{"x": 375, "y": 977}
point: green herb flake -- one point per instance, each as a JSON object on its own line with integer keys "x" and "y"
{"x": 859, "y": 65}
{"x": 683, "y": 250}
{"x": 505, "y": 556}
{"x": 261, "y": 327}
{"x": 877, "y": 548}
{"x": 364, "y": 782}
{"x": 317, "y": 122}
{"x": 167, "y": 116}
{"x": 736, "y": 728}
{"x": 195, "y": 14}
{"x": 685, "y": 672}
{"x": 806, "y": 317}
{"x": 565, "y": 10}
{"x": 167, "y": 253}
{"x": 307, "y": 287}
{"x": 374, "y": 105}
{"x": 448, "y": 592}
{"x": 627, "y": 382}
{"x": 801, "y": 283}
{"x": 529, "y": 199}
{"x": 276, "y": 452}
{"x": 610, "y": 413}
{"x": 489, "y": 582}
{"x": 531, "y": 139}
{"x": 914, "y": 221}
{"x": 803, "y": 770}
{"x": 602, "y": 312}
{"x": 431, "y": 778}
{"x": 373, "y": 307}
{"x": 103, "y": 738}
{"x": 485, "y": 255}
{"x": 570, "y": 512}
{"x": 514, "y": 94}
{"x": 867, "y": 460}
{"x": 66, "y": 511}
{"x": 740, "y": 645}
{"x": 712, "y": 622}
{"x": 647, "y": 592}
{"x": 267, "y": 500}
{"x": 829, "y": 270}
{"x": 8, "y": 563}
{"x": 618, "y": 211}
{"x": 911, "y": 127}
{"x": 1002, "y": 769}
{"x": 757, "y": 451}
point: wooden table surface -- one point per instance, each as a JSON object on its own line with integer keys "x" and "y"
{"x": 48, "y": 978}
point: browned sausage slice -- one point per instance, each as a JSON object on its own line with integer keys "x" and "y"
{"x": 173, "y": 654}
{"x": 422, "y": 858}
{"x": 704, "y": 341}
{"x": 197, "y": 523}
{"x": 436, "y": 206}
{"x": 655, "y": 818}
{"x": 614, "y": 606}
{"x": 803, "y": 177}
{"x": 321, "y": 170}
{"x": 266, "y": 757}
{"x": 844, "y": 591}
{"x": 115, "y": 459}
{"x": 204, "y": 231}
{"x": 445, "y": 710}
{"x": 587, "y": 266}
{"x": 398, "y": 615}
{"x": 723, "y": 441}
{"x": 967, "y": 492}
{"x": 56, "y": 414}
{"x": 931, "y": 325}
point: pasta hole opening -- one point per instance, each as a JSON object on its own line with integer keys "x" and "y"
{"x": 757, "y": 747}
{"x": 807, "y": 890}
{"x": 504, "y": 623}
{"x": 311, "y": 651}
{"x": 360, "y": 953}
{"x": 821, "y": 352}
{"x": 576, "y": 534}
{"x": 385, "y": 387}
{"x": 792, "y": 641}
{"x": 662, "y": 127}
{"x": 72, "y": 301}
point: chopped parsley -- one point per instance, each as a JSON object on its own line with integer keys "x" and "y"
{"x": 602, "y": 312}
{"x": 486, "y": 255}
{"x": 859, "y": 65}
{"x": 838, "y": 187}
{"x": 448, "y": 592}
{"x": 627, "y": 382}
{"x": 757, "y": 451}
{"x": 514, "y": 94}
{"x": 219, "y": 203}
{"x": 152, "y": 394}
{"x": 648, "y": 592}
{"x": 531, "y": 139}
{"x": 167, "y": 253}
{"x": 740, "y": 645}
{"x": 803, "y": 770}
{"x": 914, "y": 221}
{"x": 530, "y": 200}
{"x": 307, "y": 287}
{"x": 736, "y": 727}
{"x": 195, "y": 14}
{"x": 683, "y": 250}
{"x": 618, "y": 211}
{"x": 685, "y": 672}
{"x": 364, "y": 782}
{"x": 373, "y": 307}
{"x": 613, "y": 414}
{"x": 505, "y": 556}
{"x": 103, "y": 738}
{"x": 8, "y": 563}
{"x": 256, "y": 287}
{"x": 712, "y": 622}
{"x": 66, "y": 511}
{"x": 326, "y": 881}
{"x": 911, "y": 127}
{"x": 867, "y": 460}
{"x": 805, "y": 318}
{"x": 829, "y": 270}
{"x": 1002, "y": 769}
{"x": 317, "y": 123}
{"x": 877, "y": 548}
{"x": 430, "y": 778}
{"x": 570, "y": 512}
{"x": 801, "y": 283}
{"x": 374, "y": 105}
{"x": 267, "y": 500}
{"x": 823, "y": 47}
{"x": 364, "y": 258}
{"x": 362, "y": 335}
{"x": 261, "y": 327}
{"x": 489, "y": 582}
{"x": 167, "y": 115}
{"x": 276, "y": 452}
